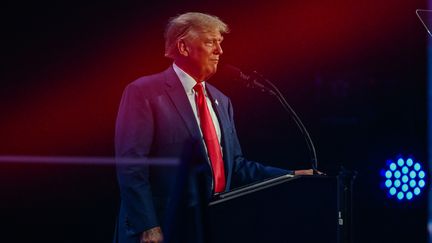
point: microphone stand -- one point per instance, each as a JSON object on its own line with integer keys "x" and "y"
{"x": 274, "y": 91}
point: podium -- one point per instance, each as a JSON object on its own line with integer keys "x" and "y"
{"x": 283, "y": 209}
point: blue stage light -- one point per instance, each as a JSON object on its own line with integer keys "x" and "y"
{"x": 421, "y": 183}
{"x": 409, "y": 195}
{"x": 421, "y": 174}
{"x": 404, "y": 179}
{"x": 388, "y": 183}
{"x": 397, "y": 183}
{"x": 409, "y": 162}
{"x": 397, "y": 174}
{"x": 388, "y": 174}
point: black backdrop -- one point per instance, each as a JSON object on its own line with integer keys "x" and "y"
{"x": 354, "y": 71}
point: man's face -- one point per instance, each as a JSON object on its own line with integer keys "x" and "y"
{"x": 204, "y": 50}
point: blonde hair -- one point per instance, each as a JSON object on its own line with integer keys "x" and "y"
{"x": 187, "y": 24}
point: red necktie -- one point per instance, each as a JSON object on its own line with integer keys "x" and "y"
{"x": 210, "y": 139}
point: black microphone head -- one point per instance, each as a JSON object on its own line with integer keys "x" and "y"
{"x": 231, "y": 71}
{"x": 251, "y": 81}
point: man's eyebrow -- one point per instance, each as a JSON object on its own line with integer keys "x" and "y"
{"x": 217, "y": 38}
{"x": 214, "y": 38}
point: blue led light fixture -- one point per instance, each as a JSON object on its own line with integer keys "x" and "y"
{"x": 404, "y": 179}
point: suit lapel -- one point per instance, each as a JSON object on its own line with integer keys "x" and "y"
{"x": 180, "y": 100}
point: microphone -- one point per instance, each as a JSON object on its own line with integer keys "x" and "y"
{"x": 251, "y": 81}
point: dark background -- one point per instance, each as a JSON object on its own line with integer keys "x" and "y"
{"x": 355, "y": 72}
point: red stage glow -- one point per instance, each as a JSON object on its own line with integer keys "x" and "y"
{"x": 71, "y": 109}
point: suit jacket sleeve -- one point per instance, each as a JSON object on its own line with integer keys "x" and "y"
{"x": 134, "y": 134}
{"x": 246, "y": 171}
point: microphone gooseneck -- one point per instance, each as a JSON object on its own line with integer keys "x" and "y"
{"x": 255, "y": 81}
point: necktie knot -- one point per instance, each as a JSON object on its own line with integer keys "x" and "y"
{"x": 199, "y": 88}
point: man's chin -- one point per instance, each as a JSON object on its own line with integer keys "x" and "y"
{"x": 211, "y": 71}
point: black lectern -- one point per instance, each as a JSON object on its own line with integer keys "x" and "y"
{"x": 283, "y": 209}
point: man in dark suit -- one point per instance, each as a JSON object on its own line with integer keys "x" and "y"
{"x": 176, "y": 114}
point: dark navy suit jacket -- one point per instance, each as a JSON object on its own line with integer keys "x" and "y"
{"x": 155, "y": 120}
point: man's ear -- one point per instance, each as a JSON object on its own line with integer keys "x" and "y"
{"x": 182, "y": 48}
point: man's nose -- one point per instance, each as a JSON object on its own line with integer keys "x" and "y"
{"x": 218, "y": 49}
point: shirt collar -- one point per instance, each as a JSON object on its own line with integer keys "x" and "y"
{"x": 187, "y": 81}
